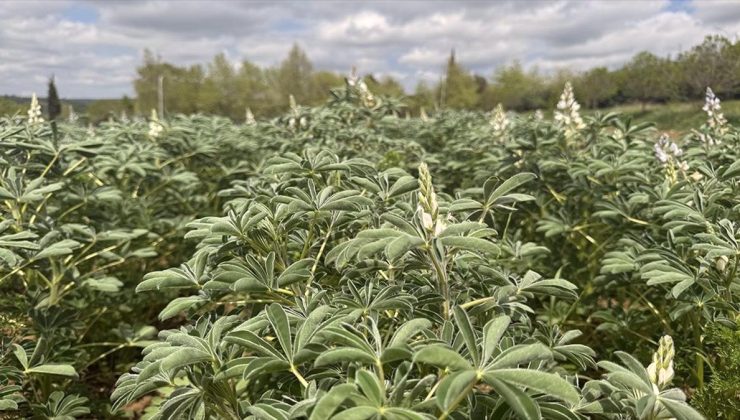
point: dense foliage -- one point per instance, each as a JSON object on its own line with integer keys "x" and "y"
{"x": 342, "y": 262}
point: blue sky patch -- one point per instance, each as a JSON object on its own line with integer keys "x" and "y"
{"x": 81, "y": 12}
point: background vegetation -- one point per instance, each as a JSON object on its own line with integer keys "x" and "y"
{"x": 343, "y": 261}
{"x": 221, "y": 88}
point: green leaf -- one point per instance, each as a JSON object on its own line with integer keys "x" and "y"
{"x": 401, "y": 245}
{"x": 180, "y": 304}
{"x": 344, "y": 355}
{"x": 442, "y": 357}
{"x": 370, "y": 386}
{"x": 680, "y": 410}
{"x": 547, "y": 383}
{"x": 408, "y": 330}
{"x": 281, "y": 326}
{"x": 54, "y": 369}
{"x": 455, "y": 388}
{"x": 519, "y": 402}
{"x": 184, "y": 357}
{"x": 492, "y": 333}
{"x": 20, "y": 354}
{"x": 521, "y": 354}
{"x": 57, "y": 249}
{"x": 356, "y": 413}
{"x": 468, "y": 333}
{"x": 471, "y": 244}
{"x": 328, "y": 404}
{"x": 495, "y": 195}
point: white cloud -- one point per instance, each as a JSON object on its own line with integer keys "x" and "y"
{"x": 409, "y": 39}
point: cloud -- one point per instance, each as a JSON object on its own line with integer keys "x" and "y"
{"x": 94, "y": 47}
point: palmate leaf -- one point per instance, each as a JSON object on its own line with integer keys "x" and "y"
{"x": 660, "y": 271}
{"x": 61, "y": 406}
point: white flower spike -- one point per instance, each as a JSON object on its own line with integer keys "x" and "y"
{"x": 661, "y": 370}
{"x": 155, "y": 127}
{"x": 567, "y": 115}
{"x": 499, "y": 121}
{"x": 34, "y": 112}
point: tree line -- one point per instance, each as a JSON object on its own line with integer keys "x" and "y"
{"x": 223, "y": 88}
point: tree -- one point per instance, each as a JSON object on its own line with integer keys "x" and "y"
{"x": 714, "y": 63}
{"x": 596, "y": 87}
{"x": 386, "y": 86}
{"x": 294, "y": 76}
{"x": 423, "y": 97}
{"x": 54, "y": 105}
{"x": 322, "y": 83}
{"x": 459, "y": 89}
{"x": 648, "y": 78}
{"x": 220, "y": 94}
{"x": 515, "y": 89}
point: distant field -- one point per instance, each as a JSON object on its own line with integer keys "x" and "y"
{"x": 679, "y": 116}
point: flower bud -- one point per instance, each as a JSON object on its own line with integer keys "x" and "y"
{"x": 660, "y": 370}
{"x": 721, "y": 263}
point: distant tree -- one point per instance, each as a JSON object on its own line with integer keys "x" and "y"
{"x": 481, "y": 83}
{"x": 221, "y": 94}
{"x": 515, "y": 89}
{"x": 423, "y": 97}
{"x": 253, "y": 89}
{"x": 127, "y": 105}
{"x": 322, "y": 83}
{"x": 596, "y": 86}
{"x": 459, "y": 89}
{"x": 648, "y": 78}
{"x": 386, "y": 85}
{"x": 714, "y": 63}
{"x": 294, "y": 76}
{"x": 54, "y": 105}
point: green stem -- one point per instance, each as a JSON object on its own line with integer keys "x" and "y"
{"x": 443, "y": 284}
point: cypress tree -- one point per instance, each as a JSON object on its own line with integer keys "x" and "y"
{"x": 54, "y": 105}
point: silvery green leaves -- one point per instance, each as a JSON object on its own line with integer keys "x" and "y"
{"x": 338, "y": 281}
{"x": 628, "y": 385}
{"x": 506, "y": 370}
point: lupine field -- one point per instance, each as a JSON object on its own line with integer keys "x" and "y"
{"x": 348, "y": 262}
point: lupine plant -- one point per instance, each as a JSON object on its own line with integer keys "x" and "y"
{"x": 343, "y": 262}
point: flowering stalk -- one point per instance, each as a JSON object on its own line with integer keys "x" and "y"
{"x": 499, "y": 121}
{"x": 668, "y": 153}
{"x": 249, "y": 118}
{"x": 715, "y": 119}
{"x": 567, "y": 115}
{"x": 72, "y": 118}
{"x": 356, "y": 83}
{"x": 428, "y": 211}
{"x": 155, "y": 127}
{"x": 34, "y": 112}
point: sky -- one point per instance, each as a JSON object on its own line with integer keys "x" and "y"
{"x": 93, "y": 47}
